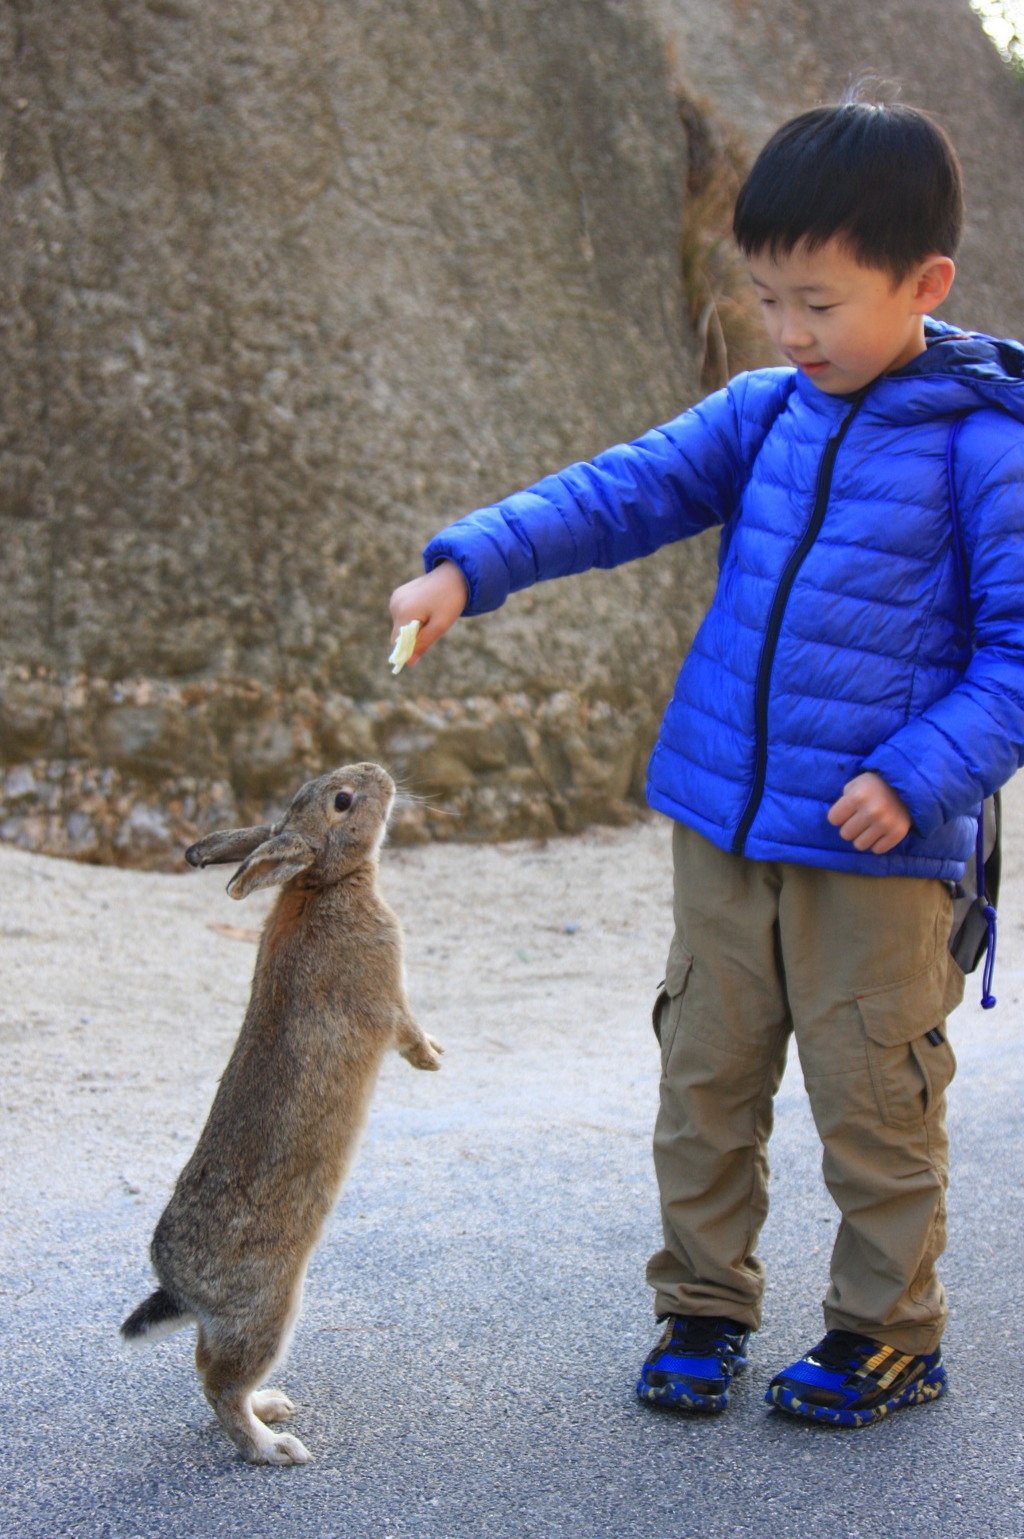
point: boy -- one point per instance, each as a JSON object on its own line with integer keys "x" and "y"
{"x": 827, "y": 747}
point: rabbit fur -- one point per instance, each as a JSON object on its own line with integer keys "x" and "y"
{"x": 328, "y": 1000}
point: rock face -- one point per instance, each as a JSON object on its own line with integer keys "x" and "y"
{"x": 755, "y": 64}
{"x": 286, "y": 287}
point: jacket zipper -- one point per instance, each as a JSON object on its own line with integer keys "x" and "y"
{"x": 766, "y": 661}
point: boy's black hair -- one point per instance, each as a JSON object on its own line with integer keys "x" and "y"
{"x": 885, "y": 180}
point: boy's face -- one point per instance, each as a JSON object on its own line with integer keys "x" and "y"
{"x": 843, "y": 324}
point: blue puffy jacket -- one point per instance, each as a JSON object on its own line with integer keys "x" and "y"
{"x": 837, "y": 640}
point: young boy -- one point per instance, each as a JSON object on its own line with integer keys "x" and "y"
{"x": 833, "y": 731}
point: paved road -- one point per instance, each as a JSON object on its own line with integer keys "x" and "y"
{"x": 476, "y": 1315}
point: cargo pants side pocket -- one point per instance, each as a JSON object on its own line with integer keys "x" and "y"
{"x": 909, "y": 1059}
{"x": 665, "y": 1016}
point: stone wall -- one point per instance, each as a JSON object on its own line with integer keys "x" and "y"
{"x": 128, "y": 771}
{"x": 286, "y": 286}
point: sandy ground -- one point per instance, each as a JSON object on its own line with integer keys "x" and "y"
{"x": 476, "y": 1313}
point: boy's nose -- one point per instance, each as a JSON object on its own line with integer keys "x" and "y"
{"x": 794, "y": 332}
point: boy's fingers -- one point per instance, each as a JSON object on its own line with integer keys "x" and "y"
{"x": 430, "y": 631}
{"x": 841, "y": 810}
{"x": 867, "y": 819}
{"x": 859, "y": 832}
{"x": 400, "y": 620}
{"x": 868, "y": 838}
{"x": 860, "y": 803}
{"x": 856, "y": 824}
{"x": 401, "y": 614}
{"x": 869, "y": 833}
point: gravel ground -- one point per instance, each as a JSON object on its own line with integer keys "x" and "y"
{"x": 476, "y": 1313}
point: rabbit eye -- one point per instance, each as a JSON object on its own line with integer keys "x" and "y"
{"x": 343, "y": 801}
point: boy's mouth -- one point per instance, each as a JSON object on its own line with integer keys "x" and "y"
{"x": 809, "y": 366}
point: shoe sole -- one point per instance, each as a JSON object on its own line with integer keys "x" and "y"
{"x": 676, "y": 1397}
{"x": 931, "y": 1387}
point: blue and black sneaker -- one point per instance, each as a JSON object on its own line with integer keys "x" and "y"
{"x": 851, "y": 1381}
{"x": 692, "y": 1365}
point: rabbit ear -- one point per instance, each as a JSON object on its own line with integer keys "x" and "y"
{"x": 276, "y": 861}
{"x": 225, "y": 848}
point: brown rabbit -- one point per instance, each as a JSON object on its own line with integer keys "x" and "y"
{"x": 328, "y": 1000}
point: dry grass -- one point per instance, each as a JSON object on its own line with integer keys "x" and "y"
{"x": 720, "y": 299}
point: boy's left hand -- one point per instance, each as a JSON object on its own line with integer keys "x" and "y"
{"x": 870, "y": 814}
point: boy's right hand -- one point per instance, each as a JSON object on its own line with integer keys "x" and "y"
{"x": 436, "y": 599}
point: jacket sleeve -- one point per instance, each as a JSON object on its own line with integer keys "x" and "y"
{"x": 673, "y": 482}
{"x": 971, "y": 741}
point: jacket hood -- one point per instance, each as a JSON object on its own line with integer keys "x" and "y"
{"x": 958, "y": 371}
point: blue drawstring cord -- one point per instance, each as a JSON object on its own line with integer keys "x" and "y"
{"x": 988, "y": 999}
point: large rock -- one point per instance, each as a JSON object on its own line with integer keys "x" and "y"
{"x": 285, "y": 287}
{"x": 753, "y": 65}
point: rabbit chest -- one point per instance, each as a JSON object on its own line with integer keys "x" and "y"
{"x": 332, "y": 956}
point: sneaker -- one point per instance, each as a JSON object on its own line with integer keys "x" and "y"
{"x": 692, "y": 1365}
{"x": 851, "y": 1381}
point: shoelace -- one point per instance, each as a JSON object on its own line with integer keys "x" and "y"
{"x": 700, "y": 1336}
{"x": 842, "y": 1349}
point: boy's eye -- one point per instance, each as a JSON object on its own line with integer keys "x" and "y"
{"x": 821, "y": 309}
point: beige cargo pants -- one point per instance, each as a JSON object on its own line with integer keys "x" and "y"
{"x": 857, "y": 969}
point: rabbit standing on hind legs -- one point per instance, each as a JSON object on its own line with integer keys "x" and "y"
{"x": 328, "y": 1000}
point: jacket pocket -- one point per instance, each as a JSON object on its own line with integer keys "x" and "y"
{"x": 909, "y": 1059}
{"x": 677, "y": 971}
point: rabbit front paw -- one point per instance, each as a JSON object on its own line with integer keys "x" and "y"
{"x": 423, "y": 1053}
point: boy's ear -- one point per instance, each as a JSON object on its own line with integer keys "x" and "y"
{"x": 934, "y": 281}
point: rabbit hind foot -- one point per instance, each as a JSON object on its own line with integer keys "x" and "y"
{"x": 227, "y": 1378}
{"x": 240, "y": 1416}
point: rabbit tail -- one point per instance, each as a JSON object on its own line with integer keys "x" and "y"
{"x": 155, "y": 1318}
